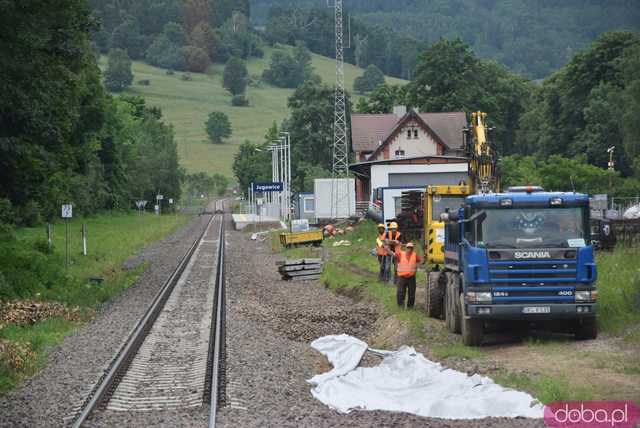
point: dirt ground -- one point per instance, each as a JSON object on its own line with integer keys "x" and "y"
{"x": 607, "y": 368}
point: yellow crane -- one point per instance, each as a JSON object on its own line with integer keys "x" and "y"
{"x": 483, "y": 177}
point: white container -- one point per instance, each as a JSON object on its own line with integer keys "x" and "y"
{"x": 325, "y": 191}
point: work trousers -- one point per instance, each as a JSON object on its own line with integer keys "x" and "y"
{"x": 406, "y": 285}
{"x": 385, "y": 268}
{"x": 395, "y": 267}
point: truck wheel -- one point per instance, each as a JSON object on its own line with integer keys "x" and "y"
{"x": 472, "y": 329}
{"x": 434, "y": 297}
{"x": 586, "y": 329}
{"x": 452, "y": 303}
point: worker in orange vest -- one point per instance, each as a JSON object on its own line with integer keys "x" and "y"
{"x": 407, "y": 267}
{"x": 384, "y": 254}
{"x": 392, "y": 238}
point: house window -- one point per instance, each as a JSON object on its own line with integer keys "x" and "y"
{"x": 398, "y": 205}
{"x": 408, "y": 134}
{"x": 309, "y": 205}
{"x": 415, "y": 133}
{"x": 399, "y": 154}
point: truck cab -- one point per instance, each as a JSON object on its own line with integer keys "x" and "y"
{"x": 517, "y": 256}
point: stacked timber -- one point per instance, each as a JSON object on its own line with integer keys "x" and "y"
{"x": 300, "y": 269}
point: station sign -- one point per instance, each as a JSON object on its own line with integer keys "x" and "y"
{"x": 276, "y": 186}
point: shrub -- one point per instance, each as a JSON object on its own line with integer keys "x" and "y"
{"x": 27, "y": 271}
{"x": 7, "y": 232}
{"x": 144, "y": 82}
{"x": 186, "y": 77}
{"x": 239, "y": 101}
{"x": 6, "y": 211}
{"x": 169, "y": 72}
{"x": 29, "y": 214}
{"x": 42, "y": 246}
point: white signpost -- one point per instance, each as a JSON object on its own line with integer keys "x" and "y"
{"x": 158, "y": 199}
{"x": 67, "y": 213}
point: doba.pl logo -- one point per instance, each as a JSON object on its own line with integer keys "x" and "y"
{"x": 592, "y": 414}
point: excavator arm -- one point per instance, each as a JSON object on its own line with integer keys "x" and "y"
{"x": 483, "y": 160}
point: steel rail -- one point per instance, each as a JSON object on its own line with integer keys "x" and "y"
{"x": 217, "y": 331}
{"x": 128, "y": 350}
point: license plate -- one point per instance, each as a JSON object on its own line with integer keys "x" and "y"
{"x": 536, "y": 310}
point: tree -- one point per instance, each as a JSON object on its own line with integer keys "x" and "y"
{"x": 449, "y": 77}
{"x": 251, "y": 165}
{"x": 587, "y": 106}
{"x": 218, "y": 127}
{"x": 127, "y": 36}
{"x": 234, "y": 77}
{"x": 222, "y": 10}
{"x": 165, "y": 51}
{"x": 289, "y": 70}
{"x": 196, "y": 59}
{"x": 371, "y": 78}
{"x": 383, "y": 98}
{"x": 202, "y": 183}
{"x": 52, "y": 108}
{"x": 311, "y": 126}
{"x": 118, "y": 76}
{"x": 205, "y": 38}
{"x": 237, "y": 38}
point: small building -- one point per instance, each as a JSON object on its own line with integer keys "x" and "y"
{"x": 306, "y": 206}
{"x": 406, "y": 149}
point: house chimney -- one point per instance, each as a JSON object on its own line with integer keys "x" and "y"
{"x": 399, "y": 111}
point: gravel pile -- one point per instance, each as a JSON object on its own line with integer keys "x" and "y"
{"x": 270, "y": 323}
{"x": 80, "y": 361}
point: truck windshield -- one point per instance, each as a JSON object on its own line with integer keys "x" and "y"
{"x": 530, "y": 228}
{"x": 442, "y": 203}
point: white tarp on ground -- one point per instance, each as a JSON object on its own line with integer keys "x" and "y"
{"x": 405, "y": 381}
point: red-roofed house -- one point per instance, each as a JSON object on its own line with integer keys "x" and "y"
{"x": 406, "y": 149}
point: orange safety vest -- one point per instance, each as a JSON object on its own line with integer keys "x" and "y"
{"x": 391, "y": 236}
{"x": 407, "y": 266}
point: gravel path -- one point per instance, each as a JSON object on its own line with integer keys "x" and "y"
{"x": 269, "y": 325}
{"x": 49, "y": 397}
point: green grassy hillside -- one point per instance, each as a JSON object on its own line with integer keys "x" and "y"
{"x": 186, "y": 105}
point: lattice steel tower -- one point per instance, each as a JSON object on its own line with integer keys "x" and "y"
{"x": 340, "y": 192}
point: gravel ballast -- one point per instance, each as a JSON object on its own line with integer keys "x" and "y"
{"x": 270, "y": 323}
{"x": 73, "y": 367}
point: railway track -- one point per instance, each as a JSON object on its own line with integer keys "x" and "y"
{"x": 174, "y": 357}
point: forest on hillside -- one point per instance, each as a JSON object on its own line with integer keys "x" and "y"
{"x": 555, "y": 134}
{"x": 532, "y": 38}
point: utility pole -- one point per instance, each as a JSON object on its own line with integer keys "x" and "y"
{"x": 610, "y": 166}
{"x": 287, "y": 168}
{"x": 340, "y": 170}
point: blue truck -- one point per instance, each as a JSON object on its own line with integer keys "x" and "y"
{"x": 520, "y": 257}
